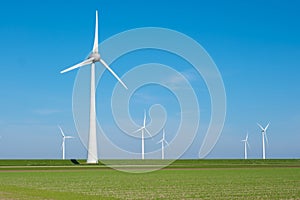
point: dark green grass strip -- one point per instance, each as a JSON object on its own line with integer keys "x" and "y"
{"x": 235, "y": 163}
{"x": 38, "y": 162}
{"x": 200, "y": 163}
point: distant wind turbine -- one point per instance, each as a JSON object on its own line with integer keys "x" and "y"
{"x": 63, "y": 145}
{"x": 92, "y": 59}
{"x": 264, "y": 135}
{"x": 163, "y": 141}
{"x": 143, "y": 129}
{"x": 246, "y": 143}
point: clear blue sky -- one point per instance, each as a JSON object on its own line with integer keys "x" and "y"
{"x": 255, "y": 44}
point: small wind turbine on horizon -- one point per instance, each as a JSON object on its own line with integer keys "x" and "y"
{"x": 92, "y": 59}
{"x": 264, "y": 135}
{"x": 143, "y": 129}
{"x": 63, "y": 145}
{"x": 246, "y": 143}
{"x": 163, "y": 141}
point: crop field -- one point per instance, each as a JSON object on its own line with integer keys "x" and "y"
{"x": 184, "y": 179}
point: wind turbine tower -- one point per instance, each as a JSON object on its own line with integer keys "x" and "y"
{"x": 63, "y": 145}
{"x": 143, "y": 129}
{"x": 246, "y": 143}
{"x": 264, "y": 136}
{"x": 92, "y": 59}
{"x": 163, "y": 141}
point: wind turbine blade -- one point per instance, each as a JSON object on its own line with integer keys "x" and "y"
{"x": 146, "y": 130}
{"x": 95, "y": 47}
{"x": 63, "y": 143}
{"x": 260, "y": 126}
{"x": 69, "y": 137}
{"x": 248, "y": 145}
{"x": 144, "y": 122}
{"x": 166, "y": 142}
{"x": 138, "y": 130}
{"x": 164, "y": 137}
{"x": 160, "y": 141}
{"x": 113, "y": 73}
{"x": 267, "y": 139}
{"x": 61, "y": 131}
{"x": 246, "y": 137}
{"x": 267, "y": 126}
{"x": 83, "y": 63}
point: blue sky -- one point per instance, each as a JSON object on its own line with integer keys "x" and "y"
{"x": 255, "y": 44}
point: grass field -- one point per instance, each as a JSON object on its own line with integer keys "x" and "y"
{"x": 184, "y": 179}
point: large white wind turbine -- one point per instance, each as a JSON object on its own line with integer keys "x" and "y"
{"x": 264, "y": 135}
{"x": 63, "y": 145}
{"x": 246, "y": 143}
{"x": 143, "y": 129}
{"x": 92, "y": 59}
{"x": 163, "y": 141}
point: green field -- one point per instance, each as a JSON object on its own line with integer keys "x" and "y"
{"x": 184, "y": 179}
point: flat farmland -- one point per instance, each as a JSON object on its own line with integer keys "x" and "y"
{"x": 184, "y": 179}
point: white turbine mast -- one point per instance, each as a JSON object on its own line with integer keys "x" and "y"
{"x": 246, "y": 143}
{"x": 163, "y": 141}
{"x": 63, "y": 145}
{"x": 143, "y": 129}
{"x": 264, "y": 136}
{"x": 92, "y": 59}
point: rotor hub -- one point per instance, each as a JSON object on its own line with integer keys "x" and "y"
{"x": 95, "y": 56}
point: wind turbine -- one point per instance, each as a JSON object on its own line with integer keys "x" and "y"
{"x": 246, "y": 143}
{"x": 92, "y": 59}
{"x": 163, "y": 141}
{"x": 264, "y": 135}
{"x": 143, "y": 129}
{"x": 63, "y": 146}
